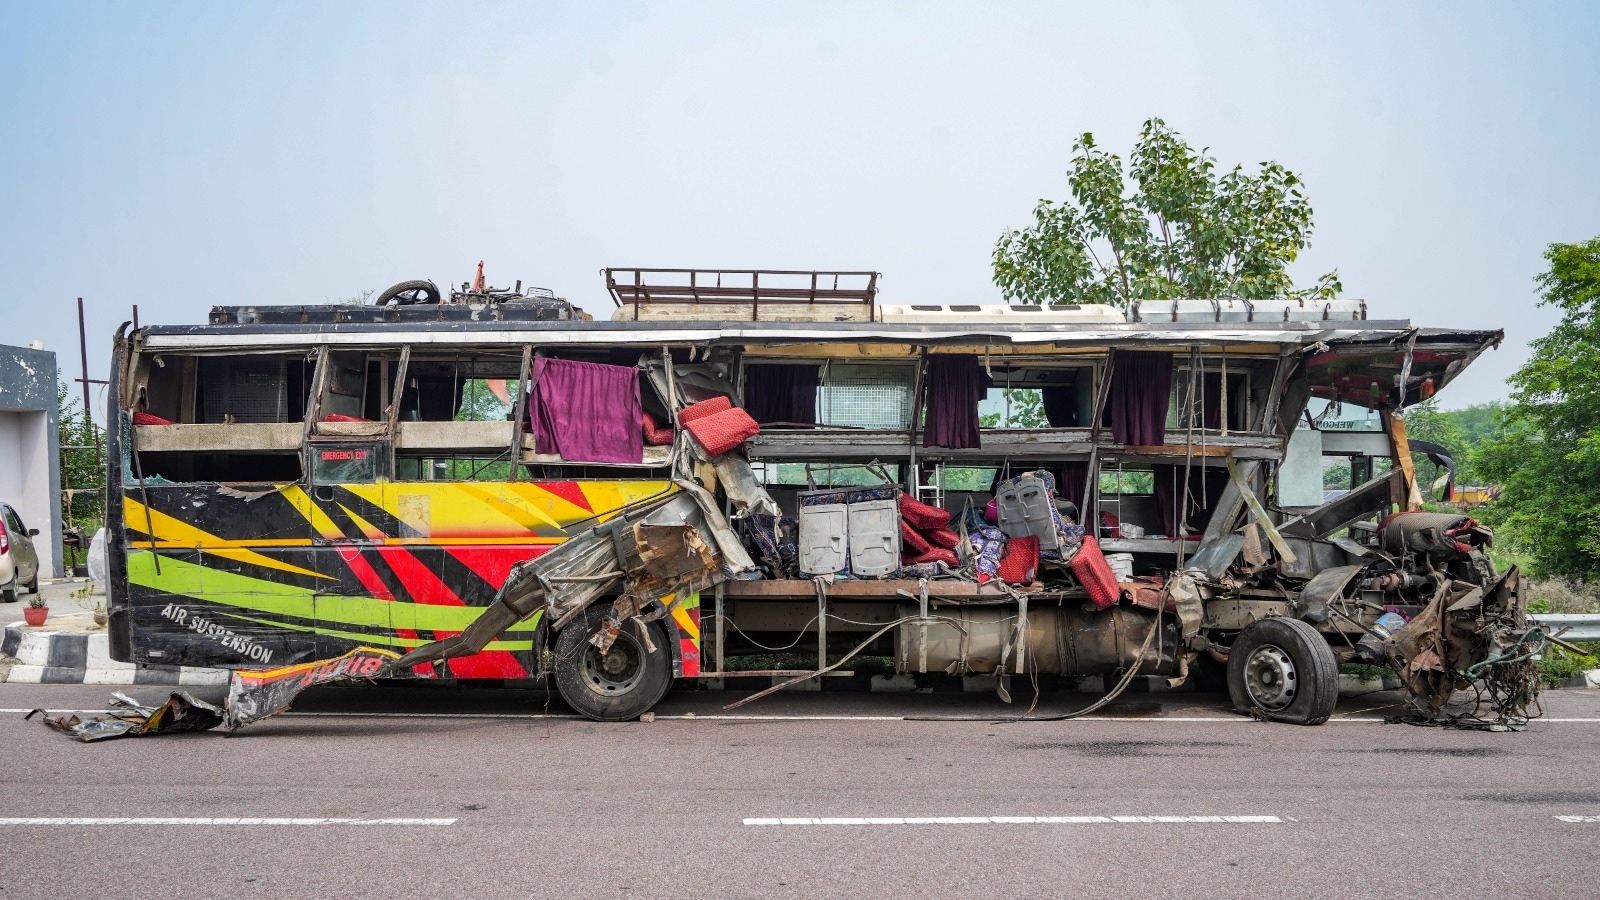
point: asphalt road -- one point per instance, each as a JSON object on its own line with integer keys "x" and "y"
{"x": 556, "y": 806}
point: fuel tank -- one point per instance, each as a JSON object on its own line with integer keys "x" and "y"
{"x": 1060, "y": 640}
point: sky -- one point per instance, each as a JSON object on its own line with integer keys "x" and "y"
{"x": 177, "y": 156}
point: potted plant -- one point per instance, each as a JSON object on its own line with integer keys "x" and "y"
{"x": 36, "y": 612}
{"x": 99, "y": 615}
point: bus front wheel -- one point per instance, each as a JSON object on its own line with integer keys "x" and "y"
{"x": 620, "y": 684}
{"x": 1282, "y": 669}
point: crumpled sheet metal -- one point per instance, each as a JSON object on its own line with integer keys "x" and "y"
{"x": 181, "y": 713}
{"x": 1463, "y": 627}
{"x": 255, "y": 694}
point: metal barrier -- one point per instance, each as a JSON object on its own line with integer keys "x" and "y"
{"x": 1583, "y": 627}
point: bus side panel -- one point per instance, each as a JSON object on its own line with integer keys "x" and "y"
{"x": 274, "y": 575}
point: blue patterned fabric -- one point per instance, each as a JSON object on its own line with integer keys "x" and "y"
{"x": 988, "y": 545}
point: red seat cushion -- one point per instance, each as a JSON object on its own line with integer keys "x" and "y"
{"x": 144, "y": 418}
{"x": 912, "y": 542}
{"x": 943, "y": 537}
{"x": 702, "y": 409}
{"x": 939, "y": 554}
{"x": 722, "y": 431}
{"x": 1020, "y": 565}
{"x": 341, "y": 417}
{"x": 923, "y": 516}
{"x": 655, "y": 434}
{"x": 1089, "y": 566}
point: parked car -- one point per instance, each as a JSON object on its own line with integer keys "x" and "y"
{"x": 19, "y": 561}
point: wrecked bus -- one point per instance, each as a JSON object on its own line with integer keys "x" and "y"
{"x": 736, "y": 461}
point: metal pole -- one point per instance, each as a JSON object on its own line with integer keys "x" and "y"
{"x": 83, "y": 356}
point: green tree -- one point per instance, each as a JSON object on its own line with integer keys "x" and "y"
{"x": 1427, "y": 422}
{"x": 1547, "y": 458}
{"x": 1024, "y": 409}
{"x": 82, "y": 472}
{"x": 1178, "y": 230}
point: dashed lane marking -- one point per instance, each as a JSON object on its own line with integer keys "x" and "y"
{"x": 1022, "y": 820}
{"x": 1583, "y": 820}
{"x": 214, "y": 821}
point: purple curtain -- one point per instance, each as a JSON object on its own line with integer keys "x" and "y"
{"x": 1206, "y": 484}
{"x": 586, "y": 412}
{"x": 1070, "y": 479}
{"x": 1211, "y": 400}
{"x": 1059, "y": 409}
{"x": 781, "y": 393}
{"x": 955, "y": 385}
{"x": 1141, "y": 388}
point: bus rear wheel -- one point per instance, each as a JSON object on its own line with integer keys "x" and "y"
{"x": 1283, "y": 669}
{"x": 621, "y": 684}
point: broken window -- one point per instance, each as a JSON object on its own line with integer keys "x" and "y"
{"x": 782, "y": 393}
{"x": 453, "y": 467}
{"x": 866, "y": 395}
{"x": 1039, "y": 394}
{"x": 821, "y": 474}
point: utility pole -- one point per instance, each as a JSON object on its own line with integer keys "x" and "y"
{"x": 88, "y": 415}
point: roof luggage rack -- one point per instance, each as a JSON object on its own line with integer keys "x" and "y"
{"x": 755, "y": 295}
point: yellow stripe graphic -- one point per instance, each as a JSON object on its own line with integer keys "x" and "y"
{"x": 181, "y": 534}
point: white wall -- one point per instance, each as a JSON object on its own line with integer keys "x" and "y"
{"x": 25, "y": 477}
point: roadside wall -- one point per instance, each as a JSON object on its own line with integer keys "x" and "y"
{"x": 30, "y": 452}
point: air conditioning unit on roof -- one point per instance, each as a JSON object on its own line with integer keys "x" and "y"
{"x": 952, "y": 313}
{"x": 1234, "y": 309}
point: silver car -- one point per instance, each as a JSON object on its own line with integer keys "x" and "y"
{"x": 19, "y": 562}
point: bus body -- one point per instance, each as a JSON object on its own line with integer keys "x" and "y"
{"x": 291, "y": 483}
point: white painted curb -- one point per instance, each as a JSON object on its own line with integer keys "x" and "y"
{"x": 71, "y": 657}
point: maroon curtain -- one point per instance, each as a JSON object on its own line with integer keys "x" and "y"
{"x": 781, "y": 393}
{"x": 1211, "y": 400}
{"x": 586, "y": 412}
{"x": 1059, "y": 409}
{"x": 1070, "y": 480}
{"x": 955, "y": 385}
{"x": 1206, "y": 483}
{"x": 1141, "y": 388}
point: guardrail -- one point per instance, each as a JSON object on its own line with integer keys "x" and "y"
{"x": 1583, "y": 627}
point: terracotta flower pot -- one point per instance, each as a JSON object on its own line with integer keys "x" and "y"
{"x": 35, "y": 615}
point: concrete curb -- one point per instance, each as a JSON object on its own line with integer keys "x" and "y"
{"x": 1588, "y": 680}
{"x": 67, "y": 656}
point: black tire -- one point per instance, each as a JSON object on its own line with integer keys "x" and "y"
{"x": 8, "y": 592}
{"x": 624, "y": 683}
{"x": 1282, "y": 669}
{"x": 33, "y": 586}
{"x": 408, "y": 293}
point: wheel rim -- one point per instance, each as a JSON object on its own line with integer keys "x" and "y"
{"x": 616, "y": 672}
{"x": 1270, "y": 677}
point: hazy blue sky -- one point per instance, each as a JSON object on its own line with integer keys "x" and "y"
{"x": 177, "y": 156}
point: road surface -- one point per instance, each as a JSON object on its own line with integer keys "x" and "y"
{"x": 479, "y": 793}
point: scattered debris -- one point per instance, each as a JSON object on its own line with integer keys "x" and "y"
{"x": 181, "y": 713}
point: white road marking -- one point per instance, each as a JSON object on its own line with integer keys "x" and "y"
{"x": 1022, "y": 820}
{"x": 1579, "y": 819}
{"x": 213, "y": 821}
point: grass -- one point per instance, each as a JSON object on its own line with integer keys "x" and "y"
{"x": 1365, "y": 672}
{"x": 1558, "y": 665}
{"x": 1561, "y": 595}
